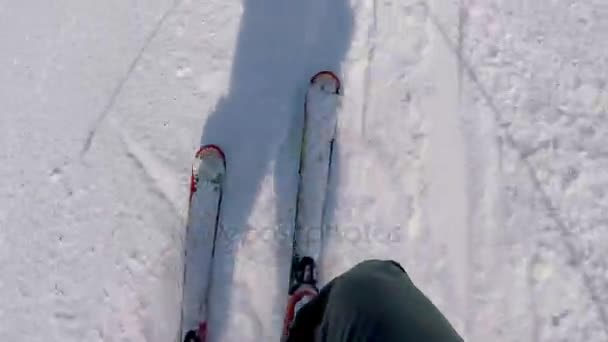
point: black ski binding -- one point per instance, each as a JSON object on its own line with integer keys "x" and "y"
{"x": 303, "y": 271}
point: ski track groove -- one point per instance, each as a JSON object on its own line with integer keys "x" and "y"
{"x": 533, "y": 305}
{"x": 565, "y": 232}
{"x": 462, "y": 26}
{"x": 462, "y": 22}
{"x": 445, "y": 146}
{"x": 145, "y": 162}
{"x": 123, "y": 80}
{"x": 566, "y": 236}
{"x": 372, "y": 32}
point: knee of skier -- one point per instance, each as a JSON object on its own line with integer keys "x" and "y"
{"x": 378, "y": 264}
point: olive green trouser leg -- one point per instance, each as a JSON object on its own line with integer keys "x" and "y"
{"x": 373, "y": 301}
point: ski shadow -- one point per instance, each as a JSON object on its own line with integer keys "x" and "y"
{"x": 280, "y": 45}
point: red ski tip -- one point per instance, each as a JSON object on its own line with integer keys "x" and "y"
{"x": 209, "y": 150}
{"x": 327, "y": 76}
{"x": 205, "y": 150}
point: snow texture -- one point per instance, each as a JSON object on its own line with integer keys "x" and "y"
{"x": 470, "y": 146}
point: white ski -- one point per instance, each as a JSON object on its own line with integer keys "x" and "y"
{"x": 322, "y": 100}
{"x": 208, "y": 172}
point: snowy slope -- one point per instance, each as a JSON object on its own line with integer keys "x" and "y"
{"x": 470, "y": 147}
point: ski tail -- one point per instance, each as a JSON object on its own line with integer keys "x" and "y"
{"x": 206, "y": 189}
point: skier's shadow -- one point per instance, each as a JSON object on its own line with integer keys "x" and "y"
{"x": 281, "y": 44}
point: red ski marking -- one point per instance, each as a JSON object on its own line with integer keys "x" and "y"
{"x": 202, "y": 332}
{"x": 318, "y": 77}
{"x": 290, "y": 314}
{"x": 329, "y": 74}
{"x": 202, "y": 151}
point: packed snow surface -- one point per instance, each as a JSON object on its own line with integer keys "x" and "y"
{"x": 471, "y": 146}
